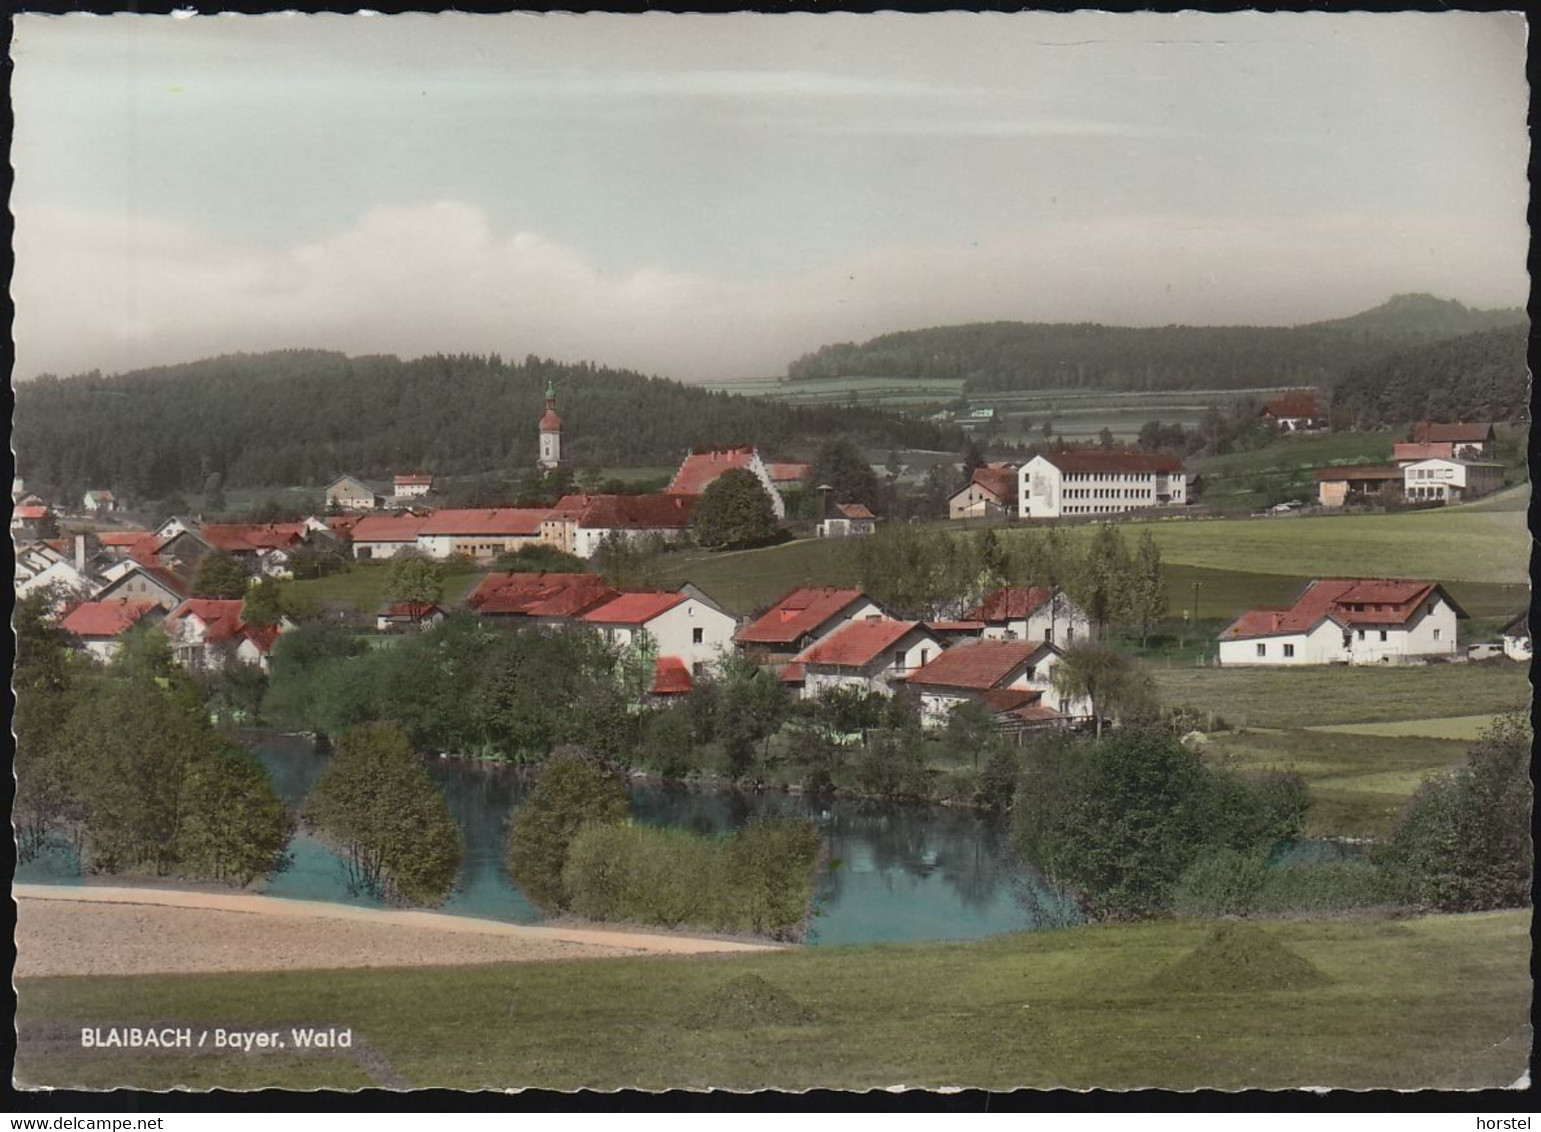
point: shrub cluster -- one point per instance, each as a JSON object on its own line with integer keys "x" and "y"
{"x": 1225, "y": 882}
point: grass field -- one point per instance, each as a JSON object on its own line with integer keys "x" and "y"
{"x": 1433, "y": 1002}
{"x": 1463, "y": 727}
{"x": 362, "y": 586}
{"x": 1312, "y": 696}
{"x": 1358, "y": 783}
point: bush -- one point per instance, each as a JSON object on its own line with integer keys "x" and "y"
{"x": 1221, "y": 882}
{"x": 892, "y": 766}
{"x": 234, "y": 827}
{"x": 1463, "y": 842}
{"x": 573, "y": 791}
{"x": 668, "y": 742}
{"x": 1324, "y": 886}
{"x": 998, "y": 781}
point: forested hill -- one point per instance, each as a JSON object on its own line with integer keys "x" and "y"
{"x": 301, "y": 417}
{"x": 1022, "y": 355}
{"x": 1477, "y": 377}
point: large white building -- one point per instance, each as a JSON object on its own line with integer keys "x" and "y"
{"x": 1096, "y": 481}
{"x": 1348, "y": 621}
{"x": 1450, "y": 480}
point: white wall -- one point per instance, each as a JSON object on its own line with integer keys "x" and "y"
{"x": 917, "y": 646}
{"x": 1426, "y": 634}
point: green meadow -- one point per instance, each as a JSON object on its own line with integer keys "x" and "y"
{"x": 1358, "y": 1002}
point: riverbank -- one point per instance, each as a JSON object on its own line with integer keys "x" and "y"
{"x": 114, "y": 930}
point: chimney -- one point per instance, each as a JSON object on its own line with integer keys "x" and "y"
{"x": 80, "y": 554}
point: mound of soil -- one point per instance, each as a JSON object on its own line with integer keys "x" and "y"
{"x": 747, "y": 1001}
{"x": 1240, "y": 957}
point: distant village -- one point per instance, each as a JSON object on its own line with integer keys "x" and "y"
{"x": 1001, "y": 654}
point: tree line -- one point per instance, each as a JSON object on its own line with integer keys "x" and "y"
{"x": 1477, "y": 377}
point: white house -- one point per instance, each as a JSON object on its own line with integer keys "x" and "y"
{"x": 412, "y": 485}
{"x": 1297, "y": 410}
{"x": 100, "y": 625}
{"x": 869, "y": 655}
{"x": 349, "y": 493}
{"x": 208, "y": 634}
{"x": 588, "y": 520}
{"x": 478, "y": 532}
{"x": 849, "y": 520}
{"x": 173, "y": 526}
{"x": 683, "y": 626}
{"x": 1450, "y": 480}
{"x": 704, "y": 465}
{"x": 1348, "y": 621}
{"x": 991, "y": 492}
{"x": 381, "y": 536}
{"x": 1517, "y": 638}
{"x": 983, "y": 671}
{"x": 800, "y": 618}
{"x": 100, "y": 502}
{"x": 1468, "y": 440}
{"x": 1097, "y": 481}
{"x": 1032, "y": 613}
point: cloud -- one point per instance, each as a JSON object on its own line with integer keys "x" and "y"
{"x": 105, "y": 291}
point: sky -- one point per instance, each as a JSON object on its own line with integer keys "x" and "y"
{"x": 709, "y": 197}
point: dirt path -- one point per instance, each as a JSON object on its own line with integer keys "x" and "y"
{"x": 86, "y": 930}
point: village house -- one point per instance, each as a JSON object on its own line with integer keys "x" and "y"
{"x": 1450, "y": 480}
{"x": 1405, "y": 452}
{"x": 849, "y": 520}
{"x": 382, "y": 536}
{"x": 479, "y": 533}
{"x": 629, "y": 517}
{"x": 788, "y": 475}
{"x": 349, "y": 493}
{"x": 1298, "y": 410}
{"x": 991, "y": 493}
{"x": 867, "y": 655}
{"x": 1467, "y": 440}
{"x": 1348, "y": 621}
{"x": 412, "y": 485}
{"x": 61, "y": 567}
{"x": 99, "y": 625}
{"x": 99, "y": 502}
{"x": 538, "y": 598}
{"x": 173, "y": 525}
{"x": 680, "y": 628}
{"x": 121, "y": 544}
{"x": 208, "y": 634}
{"x": 145, "y": 582}
{"x": 800, "y": 618}
{"x": 704, "y": 465}
{"x": 31, "y": 521}
{"x": 1096, "y": 481}
{"x": 1014, "y": 679}
{"x": 1517, "y": 638}
{"x": 261, "y": 548}
{"x": 408, "y": 615}
{"x": 1032, "y": 613}
{"x": 1358, "y": 484}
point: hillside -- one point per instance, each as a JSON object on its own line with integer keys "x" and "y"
{"x": 300, "y": 417}
{"x": 1420, "y": 383}
{"x": 1020, "y": 355}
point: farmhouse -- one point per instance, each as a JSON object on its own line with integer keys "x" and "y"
{"x": 704, "y": 465}
{"x": 631, "y": 517}
{"x": 990, "y": 493}
{"x": 381, "y": 536}
{"x": 1352, "y": 484}
{"x": 145, "y": 582}
{"x": 412, "y": 485}
{"x": 800, "y": 618}
{"x": 1517, "y": 638}
{"x": 849, "y": 520}
{"x": 479, "y": 533}
{"x": 32, "y": 521}
{"x": 99, "y": 502}
{"x": 868, "y": 655}
{"x": 1014, "y": 679}
{"x": 683, "y": 629}
{"x": 100, "y": 625}
{"x": 207, "y": 635}
{"x": 1095, "y": 481}
{"x": 1468, "y": 441}
{"x": 1450, "y": 480}
{"x": 1298, "y": 410}
{"x": 45, "y": 566}
{"x": 1348, "y": 621}
{"x": 122, "y": 544}
{"x": 349, "y": 493}
{"x": 1032, "y": 613}
{"x": 541, "y": 598}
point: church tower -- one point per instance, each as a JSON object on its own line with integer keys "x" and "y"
{"x": 550, "y": 432}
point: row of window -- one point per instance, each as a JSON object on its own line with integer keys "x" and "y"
{"x": 1289, "y": 649}
{"x": 1121, "y": 477}
{"x": 1109, "y": 493}
{"x": 1093, "y": 508}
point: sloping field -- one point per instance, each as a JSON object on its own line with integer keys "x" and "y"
{"x": 1465, "y": 727}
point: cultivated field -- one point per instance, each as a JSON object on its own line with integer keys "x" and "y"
{"x": 1362, "y": 1002}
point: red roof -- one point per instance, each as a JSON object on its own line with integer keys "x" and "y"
{"x": 1295, "y": 403}
{"x": 342, "y": 524}
{"x": 1458, "y": 433}
{"x": 633, "y": 608}
{"x": 31, "y": 511}
{"x": 657, "y": 511}
{"x": 412, "y": 479}
{"x": 1434, "y": 450}
{"x": 857, "y": 644}
{"x": 411, "y": 610}
{"x": 976, "y": 664}
{"x": 855, "y": 511}
{"x": 670, "y": 677}
{"x": 105, "y": 618}
{"x": 479, "y": 521}
{"x": 1359, "y": 472}
{"x": 1011, "y": 603}
{"x": 1103, "y": 461}
{"x": 800, "y": 612}
{"x": 251, "y": 536}
{"x": 789, "y": 473}
{"x": 999, "y": 480}
{"x": 222, "y": 621}
{"x": 388, "y": 528}
{"x": 790, "y": 673}
{"x": 538, "y": 594}
{"x": 1347, "y": 601}
{"x": 955, "y": 626}
{"x": 122, "y": 538}
{"x": 549, "y": 421}
{"x": 704, "y": 465}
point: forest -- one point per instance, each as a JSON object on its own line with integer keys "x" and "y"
{"x": 1417, "y": 383}
{"x": 1019, "y": 355}
{"x": 302, "y": 417}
